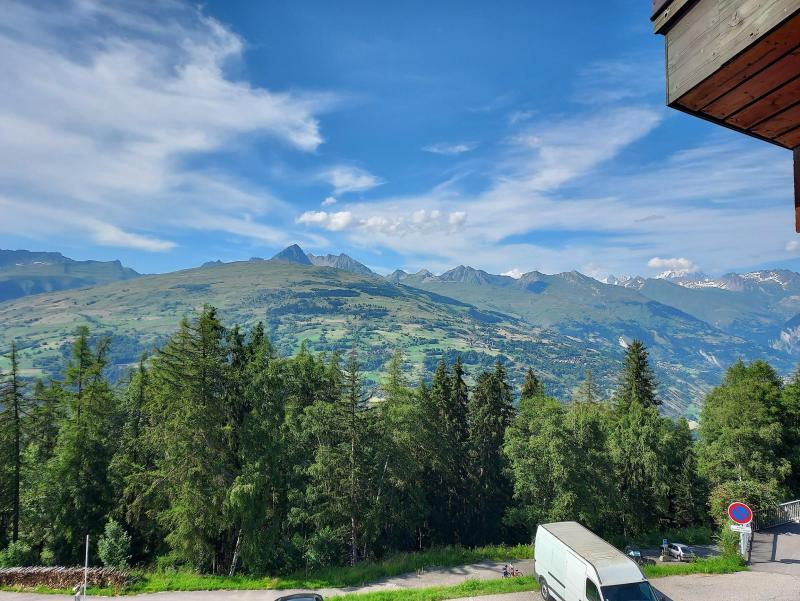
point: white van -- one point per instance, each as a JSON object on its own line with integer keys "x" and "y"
{"x": 574, "y": 564}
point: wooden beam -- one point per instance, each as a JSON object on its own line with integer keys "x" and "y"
{"x": 667, "y": 12}
{"x": 766, "y": 107}
{"x": 768, "y": 80}
{"x": 744, "y": 66}
{"x": 712, "y": 32}
{"x": 797, "y": 190}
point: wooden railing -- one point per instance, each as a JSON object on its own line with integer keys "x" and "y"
{"x": 784, "y": 513}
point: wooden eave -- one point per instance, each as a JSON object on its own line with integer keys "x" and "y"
{"x": 736, "y": 63}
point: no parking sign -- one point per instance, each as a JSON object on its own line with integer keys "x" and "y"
{"x": 740, "y": 513}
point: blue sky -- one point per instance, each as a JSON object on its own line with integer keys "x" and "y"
{"x": 510, "y": 137}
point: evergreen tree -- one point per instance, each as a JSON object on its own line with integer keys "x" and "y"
{"x": 79, "y": 490}
{"x": 189, "y": 434}
{"x": 635, "y": 445}
{"x": 587, "y": 392}
{"x": 15, "y": 410}
{"x": 399, "y": 501}
{"x": 490, "y": 413}
{"x": 532, "y": 387}
{"x": 342, "y": 476}
{"x": 637, "y": 382}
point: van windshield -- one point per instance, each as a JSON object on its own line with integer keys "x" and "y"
{"x": 639, "y": 591}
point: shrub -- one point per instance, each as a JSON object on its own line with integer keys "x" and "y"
{"x": 325, "y": 548}
{"x": 114, "y": 546}
{"x": 169, "y": 562}
{"x": 47, "y": 557}
{"x": 17, "y": 555}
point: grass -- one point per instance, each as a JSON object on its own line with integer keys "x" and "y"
{"x": 151, "y": 582}
{"x": 368, "y": 572}
{"x": 724, "y": 564}
{"x": 468, "y": 588}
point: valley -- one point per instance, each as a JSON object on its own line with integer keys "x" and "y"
{"x": 561, "y": 325}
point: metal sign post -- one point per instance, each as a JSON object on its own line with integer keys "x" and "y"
{"x": 742, "y": 515}
{"x": 86, "y": 568}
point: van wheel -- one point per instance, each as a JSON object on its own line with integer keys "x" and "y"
{"x": 545, "y": 591}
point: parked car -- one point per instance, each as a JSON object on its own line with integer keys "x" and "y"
{"x": 301, "y": 597}
{"x": 680, "y": 552}
{"x": 634, "y": 553}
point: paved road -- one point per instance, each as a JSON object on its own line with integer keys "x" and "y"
{"x": 742, "y": 586}
{"x": 436, "y": 577}
{"x": 777, "y": 550}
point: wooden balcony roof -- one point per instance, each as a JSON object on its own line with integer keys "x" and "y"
{"x": 736, "y": 63}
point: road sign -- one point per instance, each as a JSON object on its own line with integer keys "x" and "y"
{"x": 740, "y": 513}
{"x": 742, "y": 528}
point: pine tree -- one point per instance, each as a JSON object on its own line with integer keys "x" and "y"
{"x": 16, "y": 407}
{"x": 189, "y": 434}
{"x": 587, "y": 392}
{"x": 490, "y": 413}
{"x": 79, "y": 489}
{"x": 637, "y": 382}
{"x": 532, "y": 387}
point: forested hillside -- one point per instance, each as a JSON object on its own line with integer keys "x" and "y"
{"x": 560, "y": 325}
{"x": 217, "y": 451}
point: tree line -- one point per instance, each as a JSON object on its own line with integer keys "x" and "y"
{"x": 219, "y": 455}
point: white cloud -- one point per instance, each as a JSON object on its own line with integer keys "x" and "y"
{"x": 793, "y": 246}
{"x": 329, "y": 201}
{"x": 101, "y": 104}
{"x": 457, "y": 218}
{"x": 346, "y": 178}
{"x": 330, "y": 221}
{"x": 450, "y": 149}
{"x": 417, "y": 221}
{"x": 513, "y": 273}
{"x": 678, "y": 264}
{"x": 106, "y": 234}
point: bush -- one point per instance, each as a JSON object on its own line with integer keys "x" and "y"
{"x": 729, "y": 542}
{"x": 170, "y": 562}
{"x": 114, "y": 547}
{"x": 325, "y": 548}
{"x": 17, "y": 555}
{"x": 47, "y": 557}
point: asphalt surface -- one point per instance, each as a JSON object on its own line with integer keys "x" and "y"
{"x": 742, "y": 586}
{"x": 777, "y": 550}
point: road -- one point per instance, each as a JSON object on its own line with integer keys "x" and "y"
{"x": 742, "y": 586}
{"x": 777, "y": 550}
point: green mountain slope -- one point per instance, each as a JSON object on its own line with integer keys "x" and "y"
{"x": 23, "y": 273}
{"x": 605, "y": 317}
{"x": 560, "y": 325}
{"x": 326, "y": 307}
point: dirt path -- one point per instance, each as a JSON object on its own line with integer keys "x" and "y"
{"x": 439, "y": 577}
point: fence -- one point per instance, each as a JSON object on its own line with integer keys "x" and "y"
{"x": 776, "y": 516}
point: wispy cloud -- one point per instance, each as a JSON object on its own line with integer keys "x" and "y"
{"x": 101, "y": 104}
{"x": 678, "y": 264}
{"x": 346, "y": 178}
{"x": 450, "y": 149}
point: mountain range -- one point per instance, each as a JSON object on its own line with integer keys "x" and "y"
{"x": 23, "y": 272}
{"x": 561, "y": 324}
